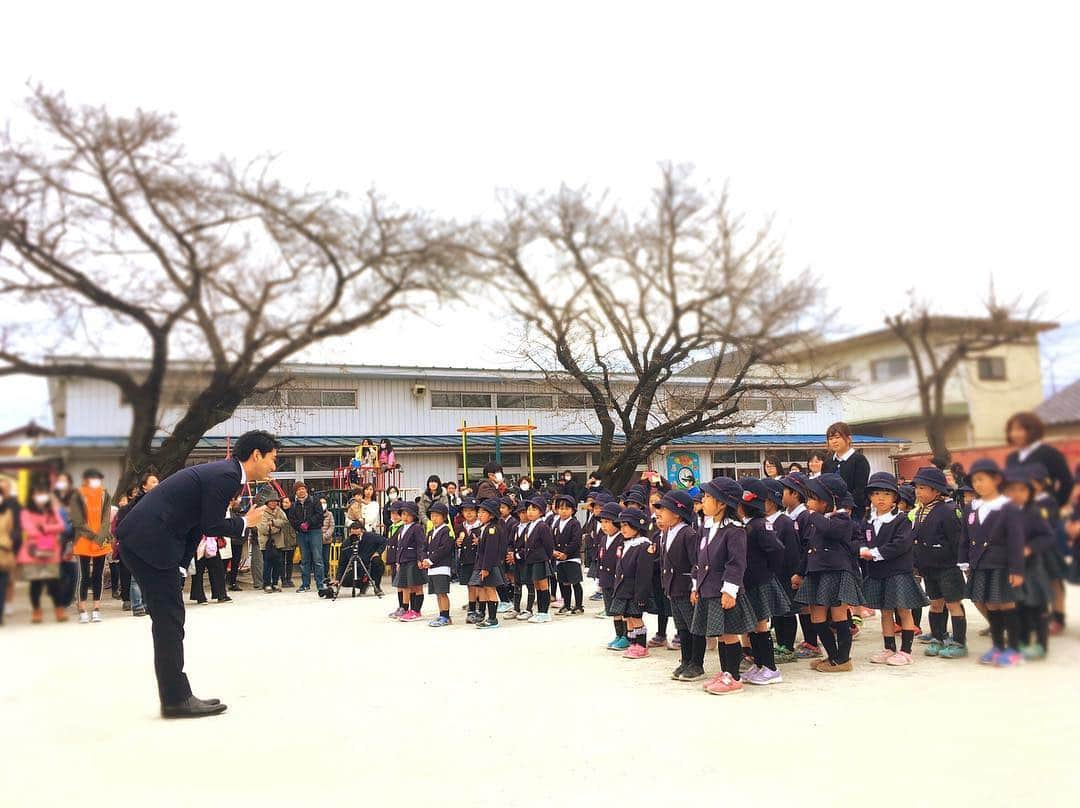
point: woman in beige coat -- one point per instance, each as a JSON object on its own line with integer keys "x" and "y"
{"x": 271, "y": 531}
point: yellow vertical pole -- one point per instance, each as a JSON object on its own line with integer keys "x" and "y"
{"x": 464, "y": 452}
{"x": 532, "y": 474}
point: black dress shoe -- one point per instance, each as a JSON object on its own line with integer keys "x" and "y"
{"x": 191, "y": 708}
{"x": 211, "y": 702}
{"x": 225, "y": 599}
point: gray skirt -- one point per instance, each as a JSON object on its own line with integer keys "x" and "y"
{"x": 627, "y": 607}
{"x": 464, "y": 574}
{"x": 898, "y": 591}
{"x": 768, "y": 600}
{"x": 711, "y": 619}
{"x": 1054, "y": 563}
{"x": 943, "y": 583}
{"x": 682, "y": 610}
{"x": 568, "y": 572}
{"x": 438, "y": 585}
{"x": 409, "y": 575}
{"x": 830, "y": 588}
{"x": 495, "y": 578}
{"x": 1036, "y": 591}
{"x": 536, "y": 571}
{"x": 992, "y": 586}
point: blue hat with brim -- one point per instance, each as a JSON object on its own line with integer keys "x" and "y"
{"x": 725, "y": 490}
{"x": 882, "y": 481}
{"x": 931, "y": 477}
{"x": 635, "y": 518}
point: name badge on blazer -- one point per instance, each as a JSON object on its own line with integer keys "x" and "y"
{"x": 768, "y": 526}
{"x": 971, "y": 518}
{"x": 869, "y": 534}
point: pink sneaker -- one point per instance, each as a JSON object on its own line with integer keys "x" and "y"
{"x": 882, "y": 656}
{"x": 900, "y": 658}
{"x": 723, "y": 685}
{"x": 635, "y": 652}
{"x": 409, "y": 616}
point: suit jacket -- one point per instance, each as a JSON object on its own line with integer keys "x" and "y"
{"x": 829, "y": 544}
{"x": 568, "y": 540}
{"x": 411, "y": 544}
{"x": 167, "y": 523}
{"x": 540, "y": 544}
{"x": 996, "y": 542}
{"x": 937, "y": 535}
{"x": 634, "y": 572}
{"x": 608, "y": 559}
{"x": 895, "y": 542}
{"x": 491, "y": 551}
{"x": 721, "y": 559}
{"x": 677, "y": 556}
{"x": 1056, "y": 465}
{"x": 764, "y": 552}
{"x": 440, "y": 547}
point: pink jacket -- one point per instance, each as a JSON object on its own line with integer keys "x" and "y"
{"x": 41, "y": 531}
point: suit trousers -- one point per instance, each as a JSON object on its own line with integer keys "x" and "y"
{"x": 163, "y": 595}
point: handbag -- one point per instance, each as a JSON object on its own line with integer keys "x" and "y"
{"x": 39, "y": 572}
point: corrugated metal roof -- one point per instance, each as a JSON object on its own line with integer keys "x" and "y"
{"x": 1063, "y": 407}
{"x": 478, "y": 441}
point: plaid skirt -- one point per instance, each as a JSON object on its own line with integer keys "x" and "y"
{"x": 438, "y": 585}
{"x": 568, "y": 572}
{"x": 992, "y": 586}
{"x": 944, "y": 583}
{"x": 1054, "y": 564}
{"x": 607, "y": 590}
{"x": 627, "y": 607}
{"x": 495, "y": 578}
{"x": 711, "y": 619}
{"x": 464, "y": 574}
{"x": 1036, "y": 591}
{"x": 899, "y": 591}
{"x": 409, "y": 575}
{"x": 536, "y": 571}
{"x": 830, "y": 588}
{"x": 768, "y": 600}
{"x": 682, "y": 610}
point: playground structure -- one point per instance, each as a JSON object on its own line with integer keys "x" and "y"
{"x": 497, "y": 430}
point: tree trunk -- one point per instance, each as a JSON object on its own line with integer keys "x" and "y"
{"x": 619, "y": 470}
{"x": 935, "y": 429}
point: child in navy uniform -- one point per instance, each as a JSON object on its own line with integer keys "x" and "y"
{"x": 721, "y": 606}
{"x": 992, "y": 555}
{"x": 411, "y": 576}
{"x": 795, "y": 495}
{"x": 437, "y": 561}
{"x": 515, "y": 563}
{"x": 608, "y": 553}
{"x": 468, "y": 540}
{"x": 783, "y": 527}
{"x": 830, "y": 585}
{"x": 488, "y": 574}
{"x": 633, "y": 592}
{"x": 1038, "y": 540}
{"x": 393, "y": 530}
{"x": 539, "y": 554}
{"x": 510, "y": 526}
{"x": 568, "y": 555}
{"x": 677, "y": 550}
{"x": 594, "y": 501}
{"x": 890, "y": 584}
{"x": 1053, "y": 557}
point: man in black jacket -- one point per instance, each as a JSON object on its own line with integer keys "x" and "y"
{"x": 306, "y": 517}
{"x": 158, "y": 539}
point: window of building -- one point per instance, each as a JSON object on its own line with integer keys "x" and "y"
{"x": 540, "y": 402}
{"x": 510, "y": 401}
{"x": 303, "y": 397}
{"x": 795, "y": 404}
{"x": 753, "y": 403}
{"x": 476, "y": 401}
{"x": 844, "y": 372}
{"x": 895, "y": 367}
{"x": 322, "y": 463}
{"x": 575, "y": 401}
{"x": 992, "y": 368}
{"x": 441, "y": 399}
{"x": 338, "y": 398}
{"x": 270, "y": 398}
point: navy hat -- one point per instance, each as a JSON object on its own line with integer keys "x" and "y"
{"x": 754, "y": 494}
{"x": 635, "y": 518}
{"x": 882, "y": 481}
{"x": 469, "y": 502}
{"x": 695, "y": 493}
{"x": 508, "y": 502}
{"x": 1018, "y": 474}
{"x": 1037, "y": 470}
{"x": 932, "y": 477}
{"x": 395, "y": 506}
{"x": 521, "y": 506}
{"x": 635, "y": 495}
{"x": 775, "y": 490}
{"x": 603, "y": 498}
{"x": 796, "y": 481}
{"x": 907, "y": 494}
{"x": 410, "y": 507}
{"x": 725, "y": 490}
{"x": 537, "y": 502}
{"x": 438, "y": 507}
{"x": 612, "y": 511}
{"x": 964, "y": 488}
{"x": 491, "y": 506}
{"x": 567, "y": 498}
{"x": 680, "y": 503}
{"x": 829, "y": 488}
{"x": 984, "y": 465}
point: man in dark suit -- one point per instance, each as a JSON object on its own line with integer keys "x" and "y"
{"x": 158, "y": 540}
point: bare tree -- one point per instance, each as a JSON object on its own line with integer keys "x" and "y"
{"x": 664, "y": 320}
{"x": 110, "y": 235}
{"x": 938, "y": 345}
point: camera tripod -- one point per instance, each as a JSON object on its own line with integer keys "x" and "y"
{"x": 354, "y": 565}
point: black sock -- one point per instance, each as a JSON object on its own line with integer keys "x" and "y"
{"x": 639, "y": 637}
{"x": 843, "y": 640}
{"x": 1012, "y": 628}
{"x": 890, "y": 642}
{"x": 472, "y": 606}
{"x": 493, "y": 607}
{"x": 959, "y": 629}
{"x": 734, "y": 653}
{"x": 579, "y": 595}
{"x": 916, "y": 615}
{"x": 906, "y": 639}
{"x": 564, "y": 591}
{"x": 444, "y": 613}
{"x": 826, "y": 639}
{"x": 809, "y": 631}
{"x": 661, "y": 625}
{"x": 1060, "y": 617}
{"x": 1042, "y": 629}
{"x": 401, "y": 599}
{"x": 685, "y": 649}
{"x": 785, "y": 631}
{"x": 517, "y": 598}
{"x": 697, "y": 655}
{"x": 620, "y": 627}
{"x": 764, "y": 650}
{"x": 553, "y": 584}
{"x": 532, "y": 597}
{"x": 938, "y": 622}
{"x": 415, "y": 601}
{"x": 420, "y": 602}
{"x": 997, "y": 628}
{"x": 543, "y": 598}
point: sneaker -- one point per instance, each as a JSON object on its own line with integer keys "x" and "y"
{"x": 807, "y": 651}
{"x": 674, "y": 645}
{"x": 765, "y": 676}
{"x": 745, "y": 664}
{"x": 540, "y": 617}
{"x": 723, "y": 685}
{"x": 783, "y": 655}
{"x": 563, "y": 611}
{"x": 716, "y": 677}
{"x": 225, "y": 599}
{"x": 288, "y": 585}
{"x": 619, "y": 644}
{"x": 140, "y": 612}
{"x": 675, "y": 674}
{"x": 933, "y": 648}
{"x": 277, "y": 588}
{"x": 525, "y": 615}
{"x": 1033, "y": 652}
{"x": 268, "y": 589}
{"x": 397, "y": 613}
{"x": 510, "y": 614}
{"x": 303, "y": 589}
{"x": 503, "y": 607}
{"x": 635, "y": 652}
{"x": 488, "y": 624}
{"x": 691, "y": 673}
{"x": 557, "y": 602}
{"x": 899, "y": 659}
{"x": 991, "y": 656}
{"x": 925, "y": 638}
{"x": 439, "y": 622}
{"x": 577, "y": 610}
{"x": 37, "y": 616}
{"x": 473, "y": 618}
{"x": 126, "y": 606}
{"x": 95, "y": 616}
{"x": 1009, "y": 658}
{"x": 826, "y": 666}
{"x": 597, "y": 595}
{"x": 409, "y": 617}
{"x": 657, "y": 641}
{"x": 952, "y": 650}
{"x": 602, "y": 615}
{"x": 749, "y": 672}
{"x": 882, "y": 656}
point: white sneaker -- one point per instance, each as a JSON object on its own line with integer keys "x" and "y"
{"x": 9, "y": 609}
{"x": 95, "y": 617}
{"x": 503, "y": 607}
{"x": 524, "y": 615}
{"x": 84, "y": 617}
{"x": 540, "y": 617}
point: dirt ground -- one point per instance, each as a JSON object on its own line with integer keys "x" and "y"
{"x": 333, "y": 701}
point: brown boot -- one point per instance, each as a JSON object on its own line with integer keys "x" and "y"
{"x": 61, "y": 615}
{"x": 36, "y": 616}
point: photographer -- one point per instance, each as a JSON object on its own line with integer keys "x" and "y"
{"x": 369, "y": 547}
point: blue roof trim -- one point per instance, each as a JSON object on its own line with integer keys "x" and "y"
{"x": 479, "y": 441}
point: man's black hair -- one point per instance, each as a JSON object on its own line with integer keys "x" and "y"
{"x": 259, "y": 439}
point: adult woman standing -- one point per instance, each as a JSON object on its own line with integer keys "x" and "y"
{"x": 91, "y": 509}
{"x": 1024, "y": 431}
{"x": 433, "y": 493}
{"x": 39, "y": 556}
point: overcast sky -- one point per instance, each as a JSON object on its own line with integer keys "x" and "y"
{"x": 921, "y": 144}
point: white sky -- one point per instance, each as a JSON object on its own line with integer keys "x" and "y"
{"x": 922, "y": 144}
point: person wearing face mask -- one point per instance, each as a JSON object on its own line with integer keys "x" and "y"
{"x": 91, "y": 507}
{"x": 39, "y": 556}
{"x": 492, "y": 486}
{"x": 524, "y": 488}
{"x": 570, "y": 487}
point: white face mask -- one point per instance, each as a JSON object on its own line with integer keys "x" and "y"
{"x": 524, "y": 486}
{"x": 41, "y": 500}
{"x": 61, "y": 485}
{"x": 498, "y": 476}
{"x": 94, "y": 482}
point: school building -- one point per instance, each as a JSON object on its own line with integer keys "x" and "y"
{"x": 323, "y": 412}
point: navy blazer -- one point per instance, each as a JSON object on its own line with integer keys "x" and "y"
{"x": 568, "y": 539}
{"x": 855, "y": 472}
{"x": 829, "y": 543}
{"x": 440, "y": 547}
{"x": 166, "y": 524}
{"x": 1038, "y": 532}
{"x": 894, "y": 541}
{"x": 411, "y": 544}
{"x": 677, "y": 557}
{"x": 787, "y": 531}
{"x": 491, "y": 551}
{"x": 721, "y": 559}
{"x": 1056, "y": 465}
{"x": 608, "y": 558}
{"x": 764, "y": 552}
{"x": 634, "y": 573}
{"x": 467, "y": 553}
{"x": 937, "y": 534}
{"x": 997, "y": 543}
{"x": 540, "y": 546}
